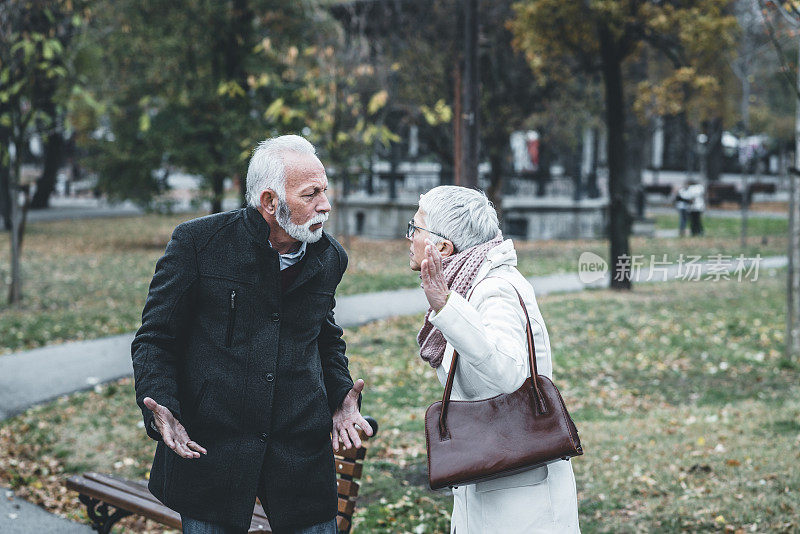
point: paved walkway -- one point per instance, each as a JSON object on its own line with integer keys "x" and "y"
{"x": 35, "y": 376}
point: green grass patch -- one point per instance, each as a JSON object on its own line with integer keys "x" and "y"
{"x": 731, "y": 227}
{"x": 688, "y": 418}
{"x": 86, "y": 279}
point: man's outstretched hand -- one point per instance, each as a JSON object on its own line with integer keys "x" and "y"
{"x": 173, "y": 433}
{"x": 345, "y": 419}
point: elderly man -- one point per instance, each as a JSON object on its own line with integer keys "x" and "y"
{"x": 239, "y": 364}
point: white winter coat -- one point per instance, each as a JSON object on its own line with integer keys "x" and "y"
{"x": 489, "y": 333}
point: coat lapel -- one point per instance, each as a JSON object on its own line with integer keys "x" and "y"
{"x": 312, "y": 264}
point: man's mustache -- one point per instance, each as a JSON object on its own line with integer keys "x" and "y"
{"x": 316, "y": 219}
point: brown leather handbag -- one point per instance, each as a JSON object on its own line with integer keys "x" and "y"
{"x": 471, "y": 441}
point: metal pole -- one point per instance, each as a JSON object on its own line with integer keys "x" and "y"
{"x": 793, "y": 274}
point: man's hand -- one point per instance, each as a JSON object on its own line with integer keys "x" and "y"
{"x": 172, "y": 432}
{"x": 345, "y": 419}
{"x": 433, "y": 282}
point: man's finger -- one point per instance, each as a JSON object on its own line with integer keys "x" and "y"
{"x": 169, "y": 442}
{"x": 353, "y": 433}
{"x": 358, "y": 387}
{"x": 180, "y": 449}
{"x": 187, "y": 452}
{"x": 151, "y": 404}
{"x": 335, "y": 439}
{"x": 196, "y": 447}
{"x": 345, "y": 438}
{"x": 366, "y": 427}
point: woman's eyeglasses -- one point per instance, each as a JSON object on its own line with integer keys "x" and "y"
{"x": 412, "y": 227}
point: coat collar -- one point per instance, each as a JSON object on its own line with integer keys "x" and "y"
{"x": 256, "y": 226}
{"x": 259, "y": 230}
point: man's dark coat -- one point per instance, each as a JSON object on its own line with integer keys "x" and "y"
{"x": 252, "y": 372}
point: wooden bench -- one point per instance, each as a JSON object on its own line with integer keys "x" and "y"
{"x": 109, "y": 498}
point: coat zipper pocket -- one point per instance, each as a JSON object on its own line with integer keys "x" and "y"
{"x": 231, "y": 319}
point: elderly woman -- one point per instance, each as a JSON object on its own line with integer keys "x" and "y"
{"x": 457, "y": 245}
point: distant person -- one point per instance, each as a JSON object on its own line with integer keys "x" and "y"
{"x": 456, "y": 243}
{"x": 239, "y": 364}
{"x": 682, "y": 202}
{"x": 697, "y": 194}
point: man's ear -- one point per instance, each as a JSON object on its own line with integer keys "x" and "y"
{"x": 446, "y": 248}
{"x": 269, "y": 201}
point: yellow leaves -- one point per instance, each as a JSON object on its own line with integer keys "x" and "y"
{"x": 440, "y": 113}
{"x": 382, "y": 134}
{"x": 685, "y": 89}
{"x": 274, "y": 109}
{"x": 279, "y": 111}
{"x": 144, "y": 122}
{"x": 262, "y": 80}
{"x": 377, "y": 101}
{"x": 230, "y": 88}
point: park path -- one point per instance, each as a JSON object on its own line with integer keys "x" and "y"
{"x": 32, "y": 377}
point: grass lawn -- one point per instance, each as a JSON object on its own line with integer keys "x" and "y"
{"x": 732, "y": 226}
{"x": 88, "y": 278}
{"x": 688, "y": 413}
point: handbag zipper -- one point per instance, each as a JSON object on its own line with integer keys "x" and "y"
{"x": 231, "y": 319}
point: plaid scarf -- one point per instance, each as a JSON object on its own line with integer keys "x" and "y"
{"x": 459, "y": 272}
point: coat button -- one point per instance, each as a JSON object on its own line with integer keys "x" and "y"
{"x": 263, "y": 438}
{"x": 276, "y": 317}
{"x": 270, "y": 377}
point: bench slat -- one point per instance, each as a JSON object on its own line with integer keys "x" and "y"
{"x": 133, "y": 496}
{"x": 348, "y": 468}
{"x": 346, "y": 487}
{"x": 346, "y": 506}
{"x": 120, "y": 498}
{"x": 352, "y": 454}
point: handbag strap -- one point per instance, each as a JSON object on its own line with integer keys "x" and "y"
{"x": 539, "y": 406}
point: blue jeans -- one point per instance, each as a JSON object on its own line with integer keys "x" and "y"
{"x": 195, "y": 526}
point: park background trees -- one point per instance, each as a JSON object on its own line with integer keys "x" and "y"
{"x": 144, "y": 89}
{"x": 609, "y": 38}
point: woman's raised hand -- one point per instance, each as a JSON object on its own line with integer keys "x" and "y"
{"x": 433, "y": 282}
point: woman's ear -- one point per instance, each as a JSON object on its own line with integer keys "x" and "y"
{"x": 446, "y": 248}
{"x": 269, "y": 201}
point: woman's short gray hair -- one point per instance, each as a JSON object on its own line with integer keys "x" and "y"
{"x": 267, "y": 169}
{"x": 464, "y": 215}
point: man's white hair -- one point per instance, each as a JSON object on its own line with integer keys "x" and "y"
{"x": 267, "y": 169}
{"x": 465, "y": 216}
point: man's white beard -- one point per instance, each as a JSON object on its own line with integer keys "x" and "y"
{"x": 301, "y": 232}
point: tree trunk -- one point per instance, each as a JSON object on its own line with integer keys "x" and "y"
{"x": 5, "y": 195}
{"x": 53, "y": 156}
{"x": 619, "y": 217}
{"x": 714, "y": 150}
{"x": 15, "y": 289}
{"x": 591, "y": 178}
